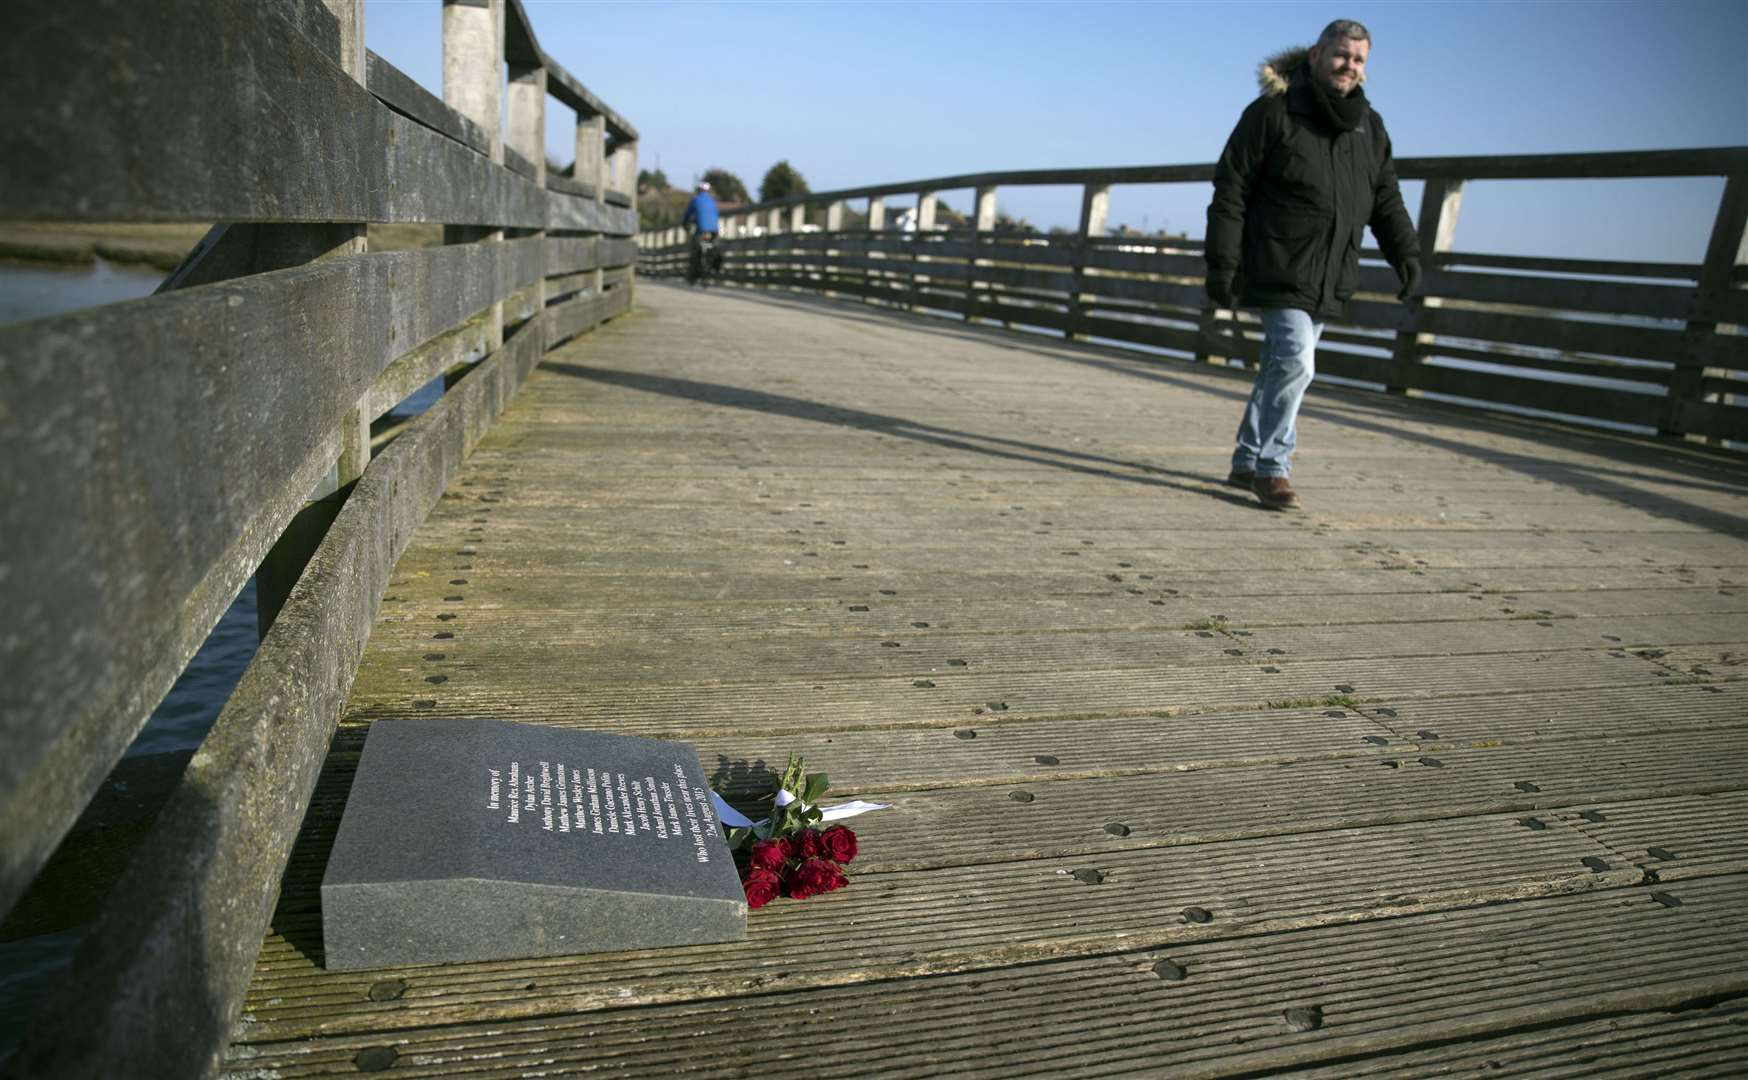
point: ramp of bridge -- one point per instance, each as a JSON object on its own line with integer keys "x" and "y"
{"x": 1447, "y": 770}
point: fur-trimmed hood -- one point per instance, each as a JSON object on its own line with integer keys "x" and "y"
{"x": 1275, "y": 73}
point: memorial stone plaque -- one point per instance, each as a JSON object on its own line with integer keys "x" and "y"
{"x": 490, "y": 840}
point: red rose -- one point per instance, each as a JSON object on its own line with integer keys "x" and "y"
{"x": 771, "y": 855}
{"x": 794, "y": 886}
{"x": 838, "y": 880}
{"x": 839, "y": 843}
{"x": 762, "y": 887}
{"x": 807, "y": 845}
{"x": 811, "y": 877}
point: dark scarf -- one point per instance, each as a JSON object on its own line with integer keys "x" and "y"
{"x": 1340, "y": 113}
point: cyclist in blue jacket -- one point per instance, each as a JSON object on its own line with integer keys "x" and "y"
{"x": 701, "y": 216}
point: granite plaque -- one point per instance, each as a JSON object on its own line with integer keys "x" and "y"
{"x": 490, "y": 840}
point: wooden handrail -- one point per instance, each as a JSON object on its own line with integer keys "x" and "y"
{"x": 1558, "y": 316}
{"x": 174, "y": 441}
{"x": 399, "y": 92}
{"x": 1623, "y": 164}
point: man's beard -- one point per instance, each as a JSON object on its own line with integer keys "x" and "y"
{"x": 1329, "y": 85}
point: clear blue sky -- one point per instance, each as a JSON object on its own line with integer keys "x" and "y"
{"x": 864, "y": 93}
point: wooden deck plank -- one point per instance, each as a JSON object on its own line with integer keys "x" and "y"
{"x": 1678, "y": 838}
{"x": 705, "y": 708}
{"x": 1052, "y": 817}
{"x": 995, "y": 749}
{"x": 1379, "y": 985}
{"x": 1007, "y": 507}
{"x": 682, "y": 657}
{"x": 1689, "y": 1043}
{"x": 909, "y": 923}
{"x": 697, "y": 590}
{"x": 773, "y": 549}
{"x": 405, "y": 621}
{"x": 1026, "y": 505}
{"x": 966, "y": 826}
{"x": 1485, "y": 721}
{"x": 1375, "y": 740}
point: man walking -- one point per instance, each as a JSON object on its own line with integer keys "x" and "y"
{"x": 1305, "y": 171}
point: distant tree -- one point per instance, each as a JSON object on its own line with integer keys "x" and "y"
{"x": 948, "y": 218}
{"x": 781, "y": 181}
{"x": 726, "y": 186}
{"x": 659, "y": 209}
{"x": 652, "y": 180}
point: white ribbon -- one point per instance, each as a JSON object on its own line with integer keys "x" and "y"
{"x": 728, "y": 815}
{"x": 734, "y": 819}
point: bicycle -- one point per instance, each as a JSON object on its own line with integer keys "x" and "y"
{"x": 705, "y": 261}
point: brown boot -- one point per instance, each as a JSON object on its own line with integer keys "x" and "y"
{"x": 1275, "y": 493}
{"x": 1240, "y": 479}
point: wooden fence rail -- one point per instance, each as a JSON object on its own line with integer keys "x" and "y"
{"x": 158, "y": 452}
{"x": 1667, "y": 336}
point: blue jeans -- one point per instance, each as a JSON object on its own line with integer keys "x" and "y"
{"x": 1268, "y": 430}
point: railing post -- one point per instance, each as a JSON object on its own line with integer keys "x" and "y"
{"x": 926, "y": 203}
{"x": 355, "y": 427}
{"x": 1440, "y": 202}
{"x": 985, "y": 213}
{"x": 1727, "y": 249}
{"x": 525, "y": 115}
{"x": 1095, "y": 212}
{"x": 983, "y": 220}
{"x": 473, "y": 73}
{"x": 731, "y": 226}
{"x": 800, "y": 271}
{"x": 290, "y": 245}
{"x": 876, "y": 226}
{"x": 834, "y": 223}
{"x": 622, "y": 165}
{"x": 774, "y": 218}
{"x": 591, "y": 169}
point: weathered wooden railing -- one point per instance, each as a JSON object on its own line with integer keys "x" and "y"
{"x": 1666, "y": 333}
{"x": 156, "y": 452}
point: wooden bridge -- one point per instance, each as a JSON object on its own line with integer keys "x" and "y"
{"x": 1444, "y": 773}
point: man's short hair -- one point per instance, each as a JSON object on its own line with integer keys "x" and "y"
{"x": 1343, "y": 28}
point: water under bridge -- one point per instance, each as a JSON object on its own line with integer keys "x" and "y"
{"x": 1445, "y": 772}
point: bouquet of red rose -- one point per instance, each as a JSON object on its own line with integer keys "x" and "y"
{"x": 787, "y": 854}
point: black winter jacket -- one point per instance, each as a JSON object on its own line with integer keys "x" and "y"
{"x": 1292, "y": 198}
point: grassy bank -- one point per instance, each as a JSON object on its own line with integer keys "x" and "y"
{"x": 158, "y": 246}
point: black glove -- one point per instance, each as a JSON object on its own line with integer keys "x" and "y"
{"x": 1220, "y": 290}
{"x": 1409, "y": 272}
